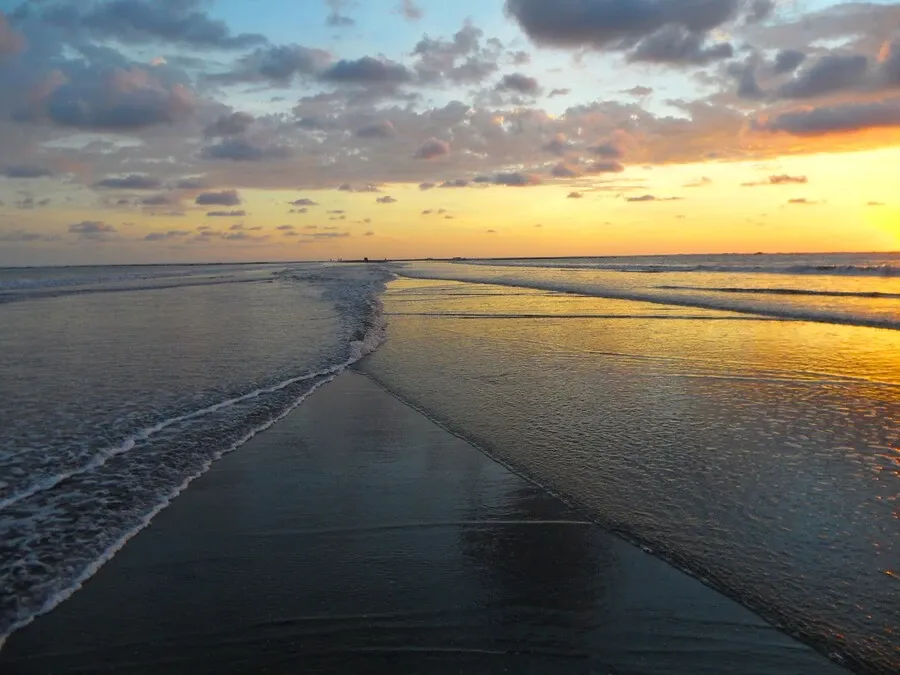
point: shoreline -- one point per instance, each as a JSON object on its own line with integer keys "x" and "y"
{"x": 380, "y": 522}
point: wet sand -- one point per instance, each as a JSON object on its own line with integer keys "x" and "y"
{"x": 356, "y": 536}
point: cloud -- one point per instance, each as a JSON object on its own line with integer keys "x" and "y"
{"x": 277, "y": 64}
{"x": 24, "y": 237}
{"x": 303, "y": 202}
{"x": 515, "y": 179}
{"x": 11, "y": 41}
{"x": 801, "y": 202}
{"x": 651, "y": 198}
{"x": 387, "y": 199}
{"x": 702, "y": 182}
{"x": 136, "y": 21}
{"x": 382, "y": 129}
{"x": 159, "y": 200}
{"x": 424, "y": 187}
{"x": 117, "y": 101}
{"x": 432, "y": 149}
{"x": 575, "y": 195}
{"x": 519, "y": 83}
{"x": 562, "y": 170}
{"x": 133, "y": 181}
{"x": 677, "y": 45}
{"x": 367, "y": 71}
{"x": 190, "y": 184}
{"x": 347, "y": 187}
{"x": 607, "y": 150}
{"x": 165, "y": 236}
{"x": 410, "y": 10}
{"x": 782, "y": 179}
{"x": 829, "y": 74}
{"x": 241, "y": 149}
{"x": 787, "y": 61}
{"x": 335, "y": 19}
{"x": 285, "y": 228}
{"x": 874, "y": 203}
{"x": 25, "y": 171}
{"x": 226, "y": 214}
{"x": 559, "y": 92}
{"x": 462, "y": 60}
{"x": 841, "y": 117}
{"x": 455, "y": 183}
{"x": 229, "y": 125}
{"x": 558, "y": 145}
{"x": 605, "y": 166}
{"x": 760, "y": 10}
{"x": 638, "y": 91}
{"x": 614, "y": 24}
{"x": 92, "y": 229}
{"x": 223, "y": 198}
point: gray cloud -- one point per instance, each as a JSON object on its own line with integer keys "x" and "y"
{"x": 760, "y": 10}
{"x": 92, "y": 229}
{"x": 116, "y": 100}
{"x": 519, "y": 83}
{"x": 164, "y": 236}
{"x": 827, "y": 75}
{"x": 575, "y": 195}
{"x": 382, "y": 129}
{"x": 25, "y": 171}
{"x": 303, "y": 202}
{"x": 432, "y": 149}
{"x": 410, "y": 10}
{"x": 782, "y": 179}
{"x": 605, "y": 166}
{"x": 367, "y": 71}
{"x": 134, "y": 181}
{"x": 652, "y": 198}
{"x": 229, "y": 125}
{"x": 559, "y": 92}
{"x": 159, "y": 200}
{"x": 607, "y": 150}
{"x": 461, "y": 60}
{"x": 277, "y": 64}
{"x": 387, "y": 199}
{"x": 561, "y": 170}
{"x": 515, "y": 179}
{"x": 787, "y": 61}
{"x": 455, "y": 183}
{"x": 241, "y": 149}
{"x": 223, "y": 198}
{"x": 835, "y": 118}
{"x": 11, "y": 41}
{"x": 677, "y": 45}
{"x": 427, "y": 186}
{"x": 226, "y": 214}
{"x": 24, "y": 237}
{"x": 335, "y": 18}
{"x": 136, "y": 21}
{"x": 614, "y": 24}
{"x": 190, "y": 184}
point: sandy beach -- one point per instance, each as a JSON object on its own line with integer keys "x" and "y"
{"x": 357, "y": 536}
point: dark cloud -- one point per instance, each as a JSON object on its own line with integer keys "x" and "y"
{"x": 562, "y": 170}
{"x": 615, "y": 24}
{"x": 677, "y": 45}
{"x": 241, "y": 149}
{"x": 285, "y": 228}
{"x": 347, "y": 187}
{"x": 841, "y": 117}
{"x": 607, "y": 150}
{"x": 803, "y": 201}
{"x": 829, "y": 74}
{"x": 190, "y": 184}
{"x": 367, "y": 71}
{"x": 639, "y": 91}
{"x": 335, "y": 18}
{"x": 559, "y": 92}
{"x": 455, "y": 183}
{"x": 92, "y": 229}
{"x": 519, "y": 83}
{"x": 136, "y": 21}
{"x": 277, "y": 64}
{"x": 464, "y": 59}
{"x": 226, "y": 214}
{"x": 604, "y": 166}
{"x": 515, "y": 179}
{"x": 24, "y": 237}
{"x": 11, "y": 41}
{"x": 427, "y": 186}
{"x": 134, "y": 181}
{"x": 747, "y": 85}
{"x": 164, "y": 236}
{"x": 782, "y": 179}
{"x": 575, "y": 195}
{"x": 760, "y": 10}
{"x": 159, "y": 200}
{"x": 303, "y": 202}
{"x": 382, "y": 129}
{"x": 387, "y": 199}
{"x": 29, "y": 202}
{"x": 410, "y": 10}
{"x": 223, "y": 198}
{"x": 652, "y": 198}
{"x": 558, "y": 145}
{"x": 25, "y": 171}
{"x": 432, "y": 149}
{"x": 229, "y": 125}
{"x": 116, "y": 100}
{"x": 787, "y": 61}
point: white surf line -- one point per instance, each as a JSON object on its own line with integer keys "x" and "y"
{"x": 110, "y": 552}
{"x": 129, "y": 442}
{"x": 810, "y": 316}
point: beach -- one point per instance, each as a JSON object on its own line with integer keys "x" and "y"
{"x": 358, "y": 536}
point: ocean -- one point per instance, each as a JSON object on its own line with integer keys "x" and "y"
{"x": 738, "y": 416}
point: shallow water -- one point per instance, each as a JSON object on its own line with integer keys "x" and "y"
{"x": 763, "y": 455}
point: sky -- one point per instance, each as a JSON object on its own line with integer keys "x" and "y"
{"x": 151, "y": 131}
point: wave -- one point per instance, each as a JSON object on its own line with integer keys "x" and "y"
{"x": 774, "y": 311}
{"x": 785, "y": 291}
{"x": 358, "y": 297}
{"x": 889, "y": 270}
